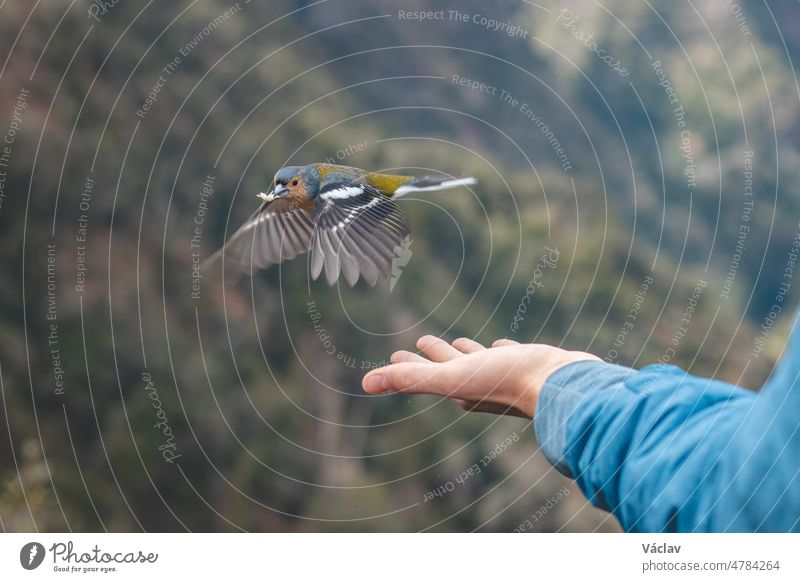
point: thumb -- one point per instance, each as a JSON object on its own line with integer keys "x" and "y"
{"x": 409, "y": 377}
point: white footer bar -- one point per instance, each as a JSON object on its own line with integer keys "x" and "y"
{"x": 387, "y": 557}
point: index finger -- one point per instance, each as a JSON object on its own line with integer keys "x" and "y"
{"x": 410, "y": 377}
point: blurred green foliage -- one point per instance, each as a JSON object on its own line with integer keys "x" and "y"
{"x": 273, "y": 432}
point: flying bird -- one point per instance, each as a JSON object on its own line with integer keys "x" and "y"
{"x": 344, "y": 217}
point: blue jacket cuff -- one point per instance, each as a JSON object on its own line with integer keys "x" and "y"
{"x": 562, "y": 393}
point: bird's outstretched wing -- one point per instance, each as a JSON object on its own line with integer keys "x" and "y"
{"x": 278, "y": 231}
{"x": 357, "y": 230}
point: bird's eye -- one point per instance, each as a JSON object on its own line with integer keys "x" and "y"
{"x": 294, "y": 182}
{"x": 277, "y": 181}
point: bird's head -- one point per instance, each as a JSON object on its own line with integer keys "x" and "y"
{"x": 294, "y": 181}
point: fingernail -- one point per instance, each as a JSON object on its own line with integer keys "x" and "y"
{"x": 376, "y": 383}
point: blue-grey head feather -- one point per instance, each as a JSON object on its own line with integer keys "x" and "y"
{"x": 308, "y": 174}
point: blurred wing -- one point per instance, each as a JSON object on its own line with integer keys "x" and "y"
{"x": 357, "y": 230}
{"x": 278, "y": 231}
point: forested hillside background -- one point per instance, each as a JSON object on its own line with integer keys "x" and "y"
{"x": 651, "y": 148}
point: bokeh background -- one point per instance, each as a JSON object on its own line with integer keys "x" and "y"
{"x": 653, "y": 147}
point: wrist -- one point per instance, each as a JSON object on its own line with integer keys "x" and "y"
{"x": 556, "y": 360}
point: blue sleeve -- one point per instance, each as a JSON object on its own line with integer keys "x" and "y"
{"x": 762, "y": 471}
{"x": 667, "y": 451}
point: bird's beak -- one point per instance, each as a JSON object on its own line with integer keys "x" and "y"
{"x": 274, "y": 193}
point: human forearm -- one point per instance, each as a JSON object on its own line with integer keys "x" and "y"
{"x": 645, "y": 445}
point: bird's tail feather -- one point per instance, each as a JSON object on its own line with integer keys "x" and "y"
{"x": 432, "y": 184}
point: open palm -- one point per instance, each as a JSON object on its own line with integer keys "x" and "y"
{"x": 503, "y": 379}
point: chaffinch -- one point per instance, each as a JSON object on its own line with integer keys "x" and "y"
{"x": 343, "y": 216}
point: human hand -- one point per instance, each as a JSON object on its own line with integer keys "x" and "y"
{"x": 503, "y": 379}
